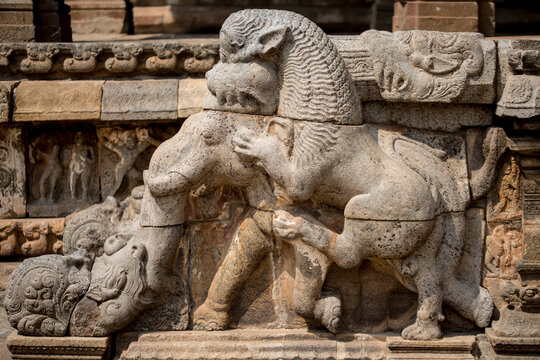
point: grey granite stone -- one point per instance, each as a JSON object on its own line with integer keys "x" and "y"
{"x": 140, "y": 100}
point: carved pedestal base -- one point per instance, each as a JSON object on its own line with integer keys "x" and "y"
{"x": 512, "y": 348}
{"x": 286, "y": 344}
{"x": 58, "y": 348}
{"x": 451, "y": 347}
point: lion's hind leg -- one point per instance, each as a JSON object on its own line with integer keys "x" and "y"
{"x": 423, "y": 268}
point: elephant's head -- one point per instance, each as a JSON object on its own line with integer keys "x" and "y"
{"x": 202, "y": 154}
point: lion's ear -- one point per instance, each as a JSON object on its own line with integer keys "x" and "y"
{"x": 272, "y": 40}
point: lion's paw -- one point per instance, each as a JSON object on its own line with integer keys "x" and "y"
{"x": 425, "y": 331}
{"x": 328, "y": 312}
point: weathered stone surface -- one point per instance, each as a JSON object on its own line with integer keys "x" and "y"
{"x": 426, "y": 116}
{"x": 140, "y": 100}
{"x": 454, "y": 347}
{"x": 62, "y": 162}
{"x": 191, "y": 95}
{"x": 51, "y": 348}
{"x": 97, "y": 17}
{"x": 12, "y": 173}
{"x": 436, "y": 15}
{"x": 31, "y": 237}
{"x": 6, "y": 90}
{"x": 57, "y": 100}
{"x": 254, "y": 344}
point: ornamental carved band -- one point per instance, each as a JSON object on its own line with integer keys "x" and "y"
{"x": 283, "y": 128}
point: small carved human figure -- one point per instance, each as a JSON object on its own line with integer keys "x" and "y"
{"x": 502, "y": 248}
{"x": 8, "y": 239}
{"x": 81, "y": 157}
{"x": 45, "y": 150}
{"x": 127, "y": 145}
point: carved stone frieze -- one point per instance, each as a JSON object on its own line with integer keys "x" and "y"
{"x": 104, "y": 59}
{"x": 63, "y": 164}
{"x": 12, "y": 171}
{"x": 31, "y": 237}
{"x": 125, "y": 153}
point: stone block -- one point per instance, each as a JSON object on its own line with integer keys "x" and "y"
{"x": 252, "y": 344}
{"x": 53, "y": 348}
{"x": 191, "y": 95}
{"x": 17, "y": 33}
{"x": 57, "y": 100}
{"x": 62, "y": 166}
{"x": 140, "y": 100}
{"x": 459, "y": 347}
{"x": 437, "y": 15}
{"x": 442, "y": 117}
{"x": 16, "y": 18}
{"x": 97, "y": 17}
{"x": 12, "y": 173}
{"x": 17, "y": 5}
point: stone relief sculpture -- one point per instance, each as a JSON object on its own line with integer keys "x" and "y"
{"x": 127, "y": 145}
{"x": 45, "y": 150}
{"x": 81, "y": 157}
{"x": 283, "y": 126}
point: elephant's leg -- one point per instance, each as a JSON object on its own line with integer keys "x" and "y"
{"x": 311, "y": 269}
{"x": 248, "y": 249}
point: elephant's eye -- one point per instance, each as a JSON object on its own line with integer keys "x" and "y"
{"x": 209, "y": 136}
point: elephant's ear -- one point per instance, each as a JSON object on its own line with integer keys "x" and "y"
{"x": 271, "y": 40}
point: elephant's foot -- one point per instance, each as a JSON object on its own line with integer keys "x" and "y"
{"x": 483, "y": 308}
{"x": 328, "y": 312}
{"x": 423, "y": 330}
{"x": 209, "y": 318}
{"x": 287, "y": 226}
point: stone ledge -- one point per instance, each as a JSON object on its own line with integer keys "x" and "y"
{"x": 56, "y": 348}
{"x": 286, "y": 344}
